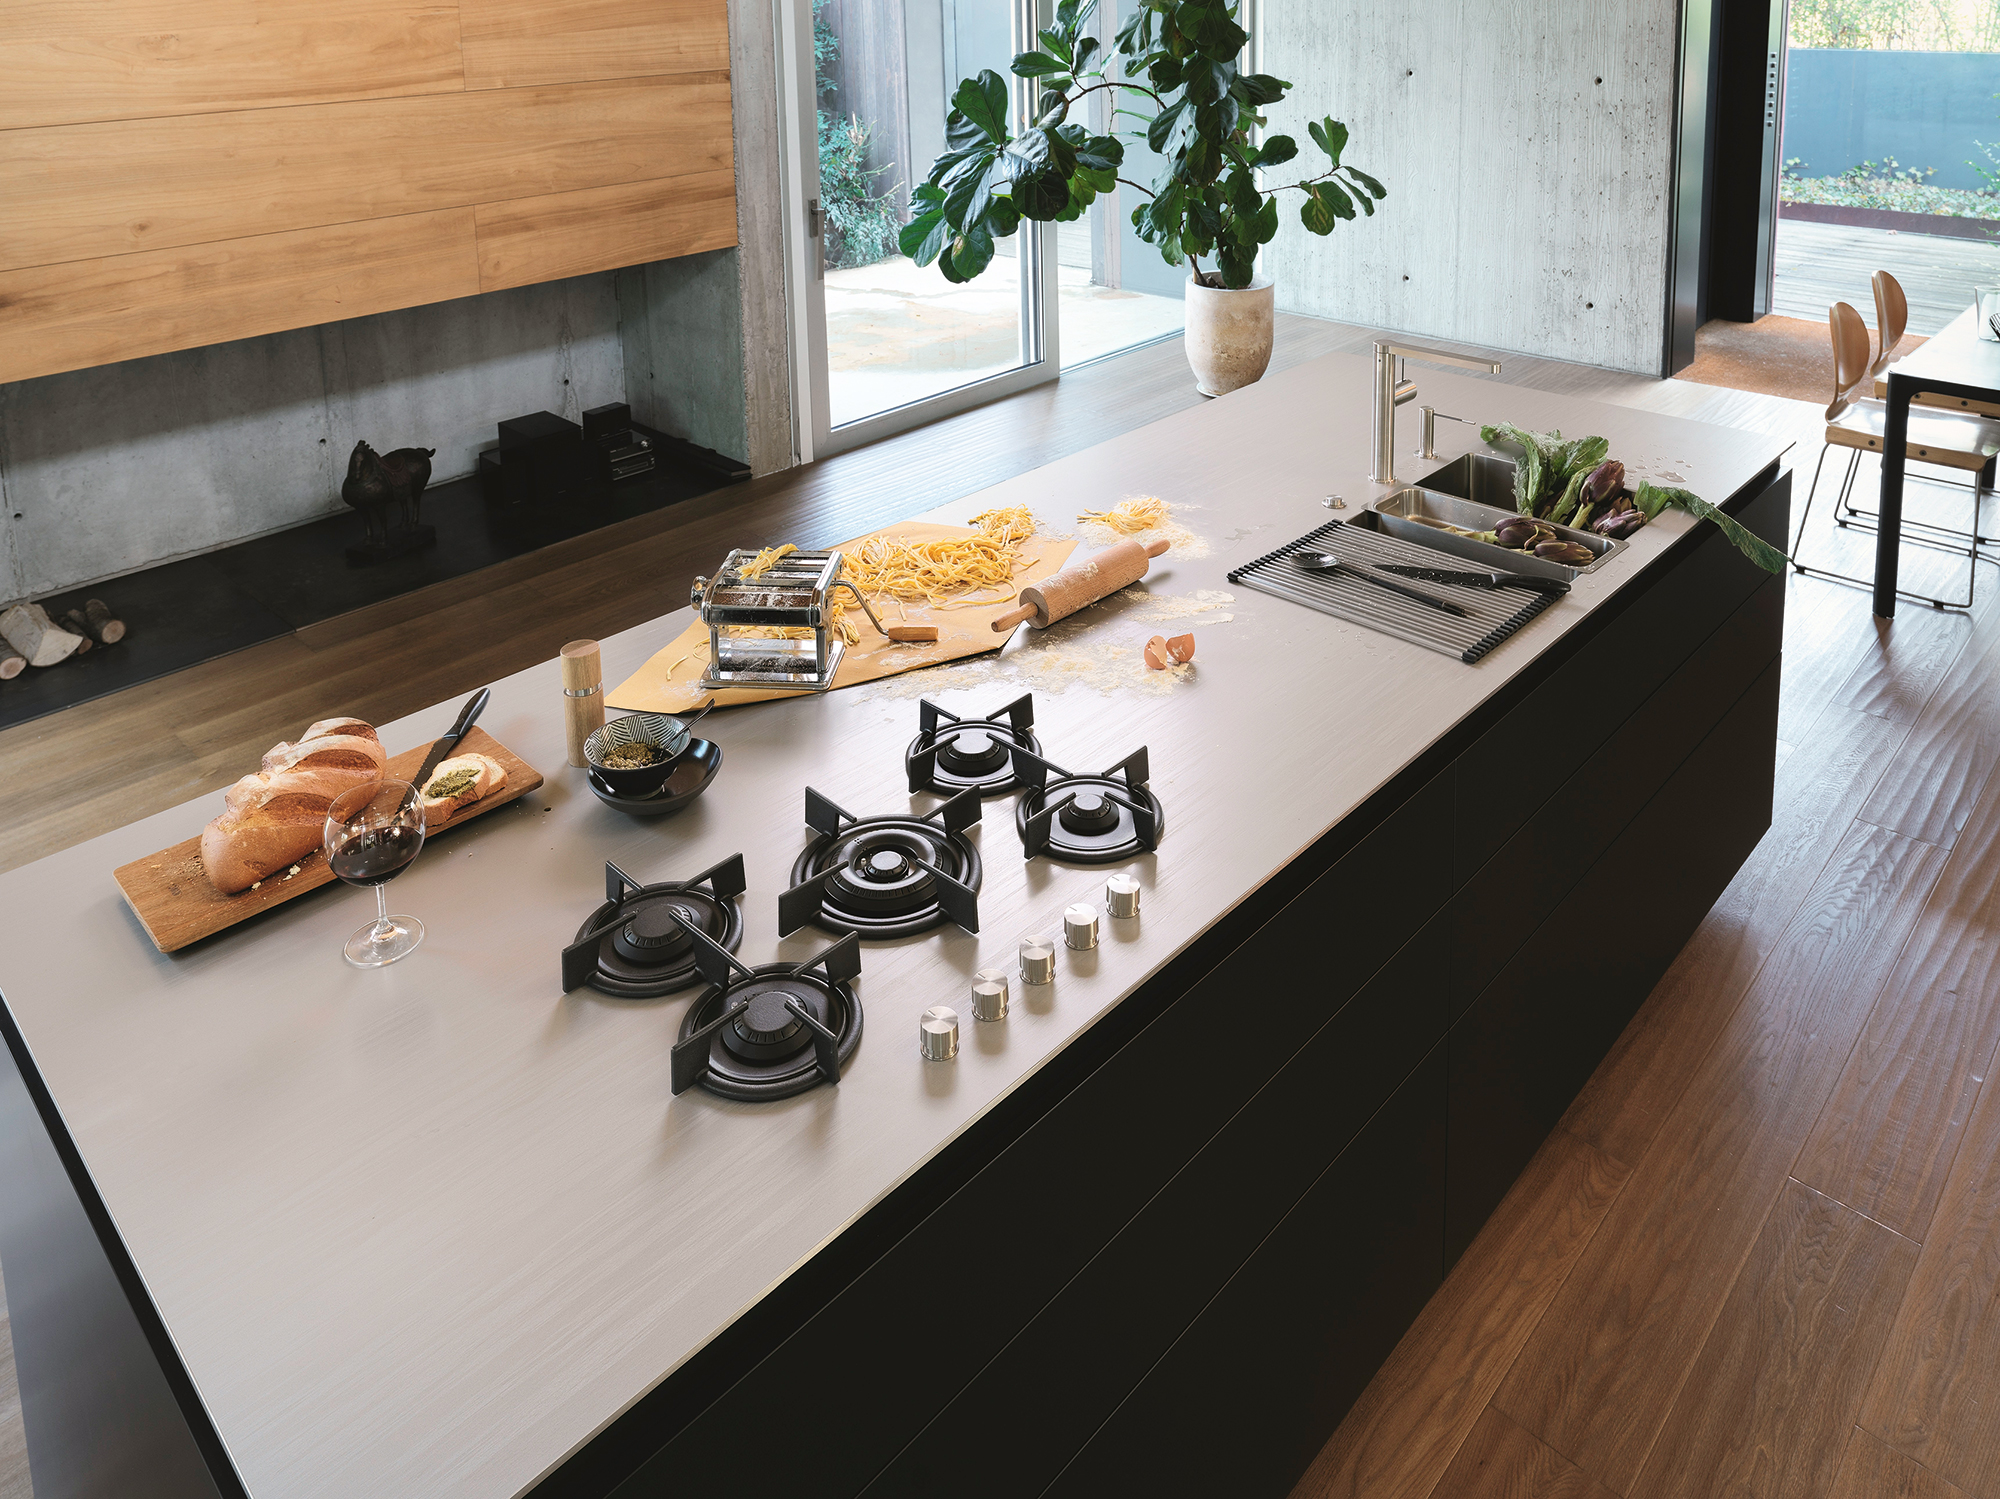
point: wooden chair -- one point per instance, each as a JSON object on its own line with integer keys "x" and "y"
{"x": 1966, "y": 444}
{"x": 1892, "y": 320}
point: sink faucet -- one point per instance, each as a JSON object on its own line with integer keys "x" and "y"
{"x": 1392, "y": 390}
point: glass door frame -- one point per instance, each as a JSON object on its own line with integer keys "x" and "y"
{"x": 814, "y": 436}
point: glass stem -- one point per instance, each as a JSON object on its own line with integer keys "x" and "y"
{"x": 384, "y": 928}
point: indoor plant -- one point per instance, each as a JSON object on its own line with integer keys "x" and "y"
{"x": 1173, "y": 72}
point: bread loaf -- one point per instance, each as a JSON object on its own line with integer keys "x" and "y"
{"x": 276, "y": 817}
{"x": 459, "y": 782}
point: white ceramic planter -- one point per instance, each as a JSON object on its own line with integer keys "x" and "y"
{"x": 1229, "y": 335}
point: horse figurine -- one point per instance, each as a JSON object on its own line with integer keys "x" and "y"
{"x": 374, "y": 483}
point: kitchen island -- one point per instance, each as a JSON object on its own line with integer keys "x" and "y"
{"x": 441, "y": 1229}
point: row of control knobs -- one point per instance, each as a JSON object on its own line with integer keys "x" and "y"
{"x": 937, "y": 1031}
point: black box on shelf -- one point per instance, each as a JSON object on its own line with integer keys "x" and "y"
{"x": 540, "y": 456}
{"x": 613, "y": 450}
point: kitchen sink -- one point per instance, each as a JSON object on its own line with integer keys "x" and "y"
{"x": 1483, "y": 478}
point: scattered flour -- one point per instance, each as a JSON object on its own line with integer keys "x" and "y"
{"x": 1149, "y": 608}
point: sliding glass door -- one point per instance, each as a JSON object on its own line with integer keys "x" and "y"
{"x": 879, "y": 343}
{"x": 885, "y": 343}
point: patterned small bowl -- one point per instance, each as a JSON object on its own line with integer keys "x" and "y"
{"x": 661, "y": 731}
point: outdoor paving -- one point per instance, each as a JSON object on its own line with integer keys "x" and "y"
{"x": 1820, "y": 264}
{"x": 897, "y": 332}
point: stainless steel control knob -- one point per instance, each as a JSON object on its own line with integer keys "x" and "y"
{"x": 1038, "y": 960}
{"x": 989, "y": 995}
{"x": 1080, "y": 926}
{"x": 1121, "y": 896}
{"x": 937, "y": 1033}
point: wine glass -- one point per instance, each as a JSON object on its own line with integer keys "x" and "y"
{"x": 373, "y": 832}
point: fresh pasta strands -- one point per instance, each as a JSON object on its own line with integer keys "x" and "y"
{"x": 1129, "y": 516}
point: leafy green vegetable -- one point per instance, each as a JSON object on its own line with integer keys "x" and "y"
{"x": 1652, "y": 499}
{"x": 1566, "y": 506}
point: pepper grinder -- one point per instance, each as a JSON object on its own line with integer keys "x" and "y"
{"x": 583, "y": 695}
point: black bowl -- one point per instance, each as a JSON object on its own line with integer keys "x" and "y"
{"x": 662, "y": 731}
{"x": 687, "y": 778}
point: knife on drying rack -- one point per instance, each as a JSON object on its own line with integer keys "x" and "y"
{"x": 1327, "y": 562}
{"x": 467, "y": 716}
{"x": 1484, "y": 579}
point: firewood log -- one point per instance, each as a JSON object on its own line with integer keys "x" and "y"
{"x": 12, "y": 663}
{"x": 74, "y": 622}
{"x": 28, "y": 628}
{"x": 108, "y": 631}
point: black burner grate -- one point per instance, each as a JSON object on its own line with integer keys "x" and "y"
{"x": 638, "y": 944}
{"x": 951, "y": 753}
{"x": 762, "y": 1033}
{"x": 884, "y": 877}
{"x": 1085, "y": 819}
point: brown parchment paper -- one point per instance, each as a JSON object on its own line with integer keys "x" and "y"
{"x": 670, "y": 681}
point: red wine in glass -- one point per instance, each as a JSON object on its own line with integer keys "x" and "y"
{"x": 375, "y": 857}
{"x": 373, "y": 833}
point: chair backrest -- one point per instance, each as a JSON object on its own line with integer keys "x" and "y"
{"x": 1892, "y": 320}
{"x": 1850, "y": 354}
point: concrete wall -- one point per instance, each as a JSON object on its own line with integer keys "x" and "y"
{"x": 110, "y": 469}
{"x": 1527, "y": 203}
{"x": 1926, "y": 109}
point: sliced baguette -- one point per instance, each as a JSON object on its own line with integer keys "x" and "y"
{"x": 487, "y": 776}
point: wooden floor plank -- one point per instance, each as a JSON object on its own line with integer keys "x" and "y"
{"x": 14, "y": 1480}
{"x": 1501, "y": 1461}
{"x": 1598, "y": 1377}
{"x": 1933, "y": 1396}
{"x": 1869, "y": 1470}
{"x": 1905, "y": 659}
{"x": 1892, "y": 1127}
{"x": 1648, "y": 1069}
{"x": 1422, "y": 1405}
{"x": 1782, "y": 1375}
{"x": 1930, "y": 788}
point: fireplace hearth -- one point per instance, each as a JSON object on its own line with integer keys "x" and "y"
{"x": 182, "y": 613}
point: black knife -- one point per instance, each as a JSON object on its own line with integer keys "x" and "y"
{"x": 1476, "y": 580}
{"x": 1326, "y": 562}
{"x": 467, "y": 716}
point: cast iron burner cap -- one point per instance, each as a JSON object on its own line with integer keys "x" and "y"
{"x": 885, "y": 876}
{"x": 657, "y": 931}
{"x": 769, "y": 1032}
{"x": 1081, "y": 819}
{"x": 951, "y": 754}
{"x": 638, "y": 944}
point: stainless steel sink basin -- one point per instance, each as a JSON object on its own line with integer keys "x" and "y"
{"x": 1483, "y": 478}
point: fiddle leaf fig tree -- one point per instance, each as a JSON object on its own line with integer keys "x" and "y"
{"x": 1174, "y": 80}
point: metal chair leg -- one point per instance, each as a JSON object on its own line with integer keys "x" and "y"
{"x": 1842, "y": 498}
{"x": 1806, "y": 514}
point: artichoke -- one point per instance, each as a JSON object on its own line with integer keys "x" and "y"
{"x": 1604, "y": 482}
{"x": 1619, "y": 523}
{"x": 1517, "y": 531}
{"x": 1568, "y": 553}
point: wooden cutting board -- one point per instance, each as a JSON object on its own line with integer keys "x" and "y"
{"x": 176, "y": 904}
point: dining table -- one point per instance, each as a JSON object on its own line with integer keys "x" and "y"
{"x": 1959, "y": 362}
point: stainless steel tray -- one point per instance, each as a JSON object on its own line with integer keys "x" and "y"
{"x": 1405, "y": 510}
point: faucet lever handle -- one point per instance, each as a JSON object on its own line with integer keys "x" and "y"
{"x": 1437, "y": 356}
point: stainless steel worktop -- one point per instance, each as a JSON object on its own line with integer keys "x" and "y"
{"x": 425, "y": 1230}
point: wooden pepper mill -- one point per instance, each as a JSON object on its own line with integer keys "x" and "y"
{"x": 1071, "y": 589}
{"x": 583, "y": 694}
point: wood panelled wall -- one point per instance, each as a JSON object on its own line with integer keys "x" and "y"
{"x": 183, "y": 172}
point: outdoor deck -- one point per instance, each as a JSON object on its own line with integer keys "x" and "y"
{"x": 1820, "y": 264}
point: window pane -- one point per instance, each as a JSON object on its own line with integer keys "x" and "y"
{"x": 895, "y": 332}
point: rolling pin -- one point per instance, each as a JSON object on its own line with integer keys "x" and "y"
{"x": 1074, "y": 587}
